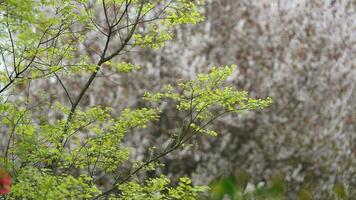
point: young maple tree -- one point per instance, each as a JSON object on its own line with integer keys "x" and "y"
{"x": 60, "y": 157}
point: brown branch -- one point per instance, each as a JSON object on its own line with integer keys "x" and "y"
{"x": 64, "y": 88}
{"x": 102, "y": 60}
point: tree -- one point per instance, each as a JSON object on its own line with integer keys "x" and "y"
{"x": 61, "y": 157}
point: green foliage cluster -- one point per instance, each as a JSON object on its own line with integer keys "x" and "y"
{"x": 157, "y": 189}
{"x": 38, "y": 33}
{"x": 208, "y": 98}
{"x": 92, "y": 141}
{"x": 236, "y": 188}
{"x": 60, "y": 158}
{"x": 239, "y": 188}
{"x": 34, "y": 183}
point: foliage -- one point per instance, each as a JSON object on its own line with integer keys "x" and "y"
{"x": 33, "y": 183}
{"x": 92, "y": 139}
{"x": 62, "y": 157}
{"x": 239, "y": 188}
{"x": 157, "y": 189}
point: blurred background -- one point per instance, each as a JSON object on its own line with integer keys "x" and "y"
{"x": 301, "y": 53}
